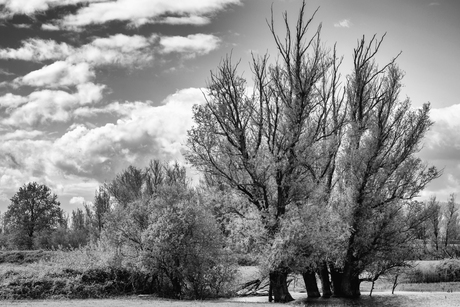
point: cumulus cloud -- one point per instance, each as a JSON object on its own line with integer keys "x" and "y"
{"x": 9, "y": 101}
{"x": 441, "y": 147}
{"x": 33, "y": 6}
{"x": 58, "y": 74}
{"x": 44, "y": 106}
{"x": 119, "y": 49}
{"x": 143, "y": 133}
{"x": 20, "y": 134}
{"x": 139, "y": 12}
{"x": 192, "y": 45}
{"x": 38, "y": 50}
{"x": 77, "y": 200}
{"x": 443, "y": 138}
{"x": 345, "y": 23}
{"x": 49, "y": 27}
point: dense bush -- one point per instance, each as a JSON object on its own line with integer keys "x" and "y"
{"x": 445, "y": 271}
{"x": 93, "y": 283}
{"x": 24, "y": 256}
{"x": 184, "y": 246}
{"x": 81, "y": 273}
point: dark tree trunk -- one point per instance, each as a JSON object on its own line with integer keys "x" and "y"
{"x": 336, "y": 278}
{"x": 310, "y": 284}
{"x": 177, "y": 287}
{"x": 350, "y": 282}
{"x": 325, "y": 281}
{"x": 279, "y": 288}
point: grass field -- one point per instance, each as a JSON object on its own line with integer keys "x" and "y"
{"x": 403, "y": 299}
{"x": 444, "y": 294}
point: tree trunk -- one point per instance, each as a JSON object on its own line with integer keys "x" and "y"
{"x": 336, "y": 278}
{"x": 310, "y": 284}
{"x": 395, "y": 284}
{"x": 278, "y": 288}
{"x": 177, "y": 287}
{"x": 325, "y": 281}
{"x": 350, "y": 282}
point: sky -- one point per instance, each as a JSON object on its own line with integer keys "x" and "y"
{"x": 88, "y": 88}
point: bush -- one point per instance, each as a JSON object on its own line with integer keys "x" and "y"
{"x": 64, "y": 276}
{"x": 445, "y": 271}
{"x": 20, "y": 257}
{"x": 185, "y": 248}
{"x": 449, "y": 270}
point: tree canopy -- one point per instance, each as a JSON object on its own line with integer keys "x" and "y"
{"x": 33, "y": 209}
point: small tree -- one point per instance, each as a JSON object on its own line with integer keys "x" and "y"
{"x": 33, "y": 209}
{"x": 451, "y": 222}
{"x": 184, "y": 244}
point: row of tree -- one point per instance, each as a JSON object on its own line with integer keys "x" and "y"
{"x": 34, "y": 220}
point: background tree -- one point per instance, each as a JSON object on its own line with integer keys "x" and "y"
{"x": 33, "y": 209}
{"x": 434, "y": 222}
{"x": 451, "y": 222}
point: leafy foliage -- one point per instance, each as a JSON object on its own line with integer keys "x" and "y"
{"x": 33, "y": 209}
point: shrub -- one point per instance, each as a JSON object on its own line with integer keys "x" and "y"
{"x": 449, "y": 270}
{"x": 185, "y": 248}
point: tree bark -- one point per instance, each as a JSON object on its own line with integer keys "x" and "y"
{"x": 278, "y": 287}
{"x": 310, "y": 284}
{"x": 336, "y": 278}
{"x": 350, "y": 282}
{"x": 325, "y": 281}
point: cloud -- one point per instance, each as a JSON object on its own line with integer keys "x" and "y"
{"x": 9, "y": 101}
{"x": 45, "y": 106}
{"x": 441, "y": 147}
{"x": 192, "y": 45}
{"x": 5, "y": 72}
{"x": 20, "y": 134}
{"x": 56, "y": 75}
{"x": 38, "y": 50}
{"x": 142, "y": 133}
{"x": 77, "y": 200}
{"x": 195, "y": 20}
{"x": 345, "y": 23}
{"x": 434, "y": 3}
{"x": 33, "y": 6}
{"x": 119, "y": 50}
{"x": 139, "y": 12}
{"x": 49, "y": 27}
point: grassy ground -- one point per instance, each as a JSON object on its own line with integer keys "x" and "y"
{"x": 403, "y": 299}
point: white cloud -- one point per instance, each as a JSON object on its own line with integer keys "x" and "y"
{"x": 38, "y": 50}
{"x": 5, "y": 72}
{"x": 20, "y": 134}
{"x": 77, "y": 200}
{"x": 58, "y": 74}
{"x": 145, "y": 11}
{"x": 145, "y": 133}
{"x": 46, "y": 106}
{"x": 195, "y": 20}
{"x": 33, "y": 6}
{"x": 49, "y": 27}
{"x": 120, "y": 49}
{"x": 10, "y": 100}
{"x": 192, "y": 45}
{"x": 345, "y": 23}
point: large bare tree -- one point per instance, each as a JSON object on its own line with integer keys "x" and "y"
{"x": 304, "y": 139}
{"x": 278, "y": 144}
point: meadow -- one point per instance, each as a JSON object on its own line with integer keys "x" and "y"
{"x": 63, "y": 278}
